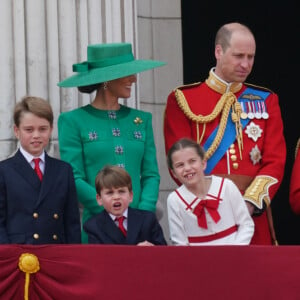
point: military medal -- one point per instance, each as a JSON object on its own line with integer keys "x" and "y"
{"x": 264, "y": 114}
{"x": 250, "y": 113}
{"x": 253, "y": 131}
{"x": 255, "y": 155}
{"x": 257, "y": 115}
{"x": 258, "y": 110}
{"x": 244, "y": 115}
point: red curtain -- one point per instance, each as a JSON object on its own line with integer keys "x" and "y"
{"x": 71, "y": 272}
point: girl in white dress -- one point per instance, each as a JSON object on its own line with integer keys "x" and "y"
{"x": 204, "y": 210}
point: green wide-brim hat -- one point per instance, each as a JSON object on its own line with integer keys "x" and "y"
{"x": 107, "y": 62}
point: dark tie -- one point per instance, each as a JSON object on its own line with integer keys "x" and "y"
{"x": 37, "y": 168}
{"x": 121, "y": 224}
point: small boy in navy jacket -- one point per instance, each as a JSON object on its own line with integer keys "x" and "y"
{"x": 114, "y": 192}
{"x": 38, "y": 202}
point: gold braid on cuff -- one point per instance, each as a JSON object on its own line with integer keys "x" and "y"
{"x": 258, "y": 191}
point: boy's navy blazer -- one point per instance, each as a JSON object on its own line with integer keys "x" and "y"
{"x": 142, "y": 226}
{"x": 35, "y": 212}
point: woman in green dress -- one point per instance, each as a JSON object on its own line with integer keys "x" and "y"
{"x": 107, "y": 132}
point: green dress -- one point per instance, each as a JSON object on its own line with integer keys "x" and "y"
{"x": 90, "y": 138}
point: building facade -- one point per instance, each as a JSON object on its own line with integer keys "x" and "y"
{"x": 41, "y": 39}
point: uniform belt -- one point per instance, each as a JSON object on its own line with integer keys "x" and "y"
{"x": 212, "y": 237}
{"x": 241, "y": 181}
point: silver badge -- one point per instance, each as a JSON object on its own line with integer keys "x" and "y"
{"x": 255, "y": 155}
{"x": 253, "y": 131}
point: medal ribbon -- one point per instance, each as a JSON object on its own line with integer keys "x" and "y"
{"x": 230, "y": 133}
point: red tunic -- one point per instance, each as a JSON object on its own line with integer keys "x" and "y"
{"x": 271, "y": 143}
{"x": 295, "y": 183}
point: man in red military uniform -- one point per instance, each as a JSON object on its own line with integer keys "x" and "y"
{"x": 239, "y": 125}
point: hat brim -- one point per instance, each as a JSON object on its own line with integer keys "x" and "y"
{"x": 100, "y": 75}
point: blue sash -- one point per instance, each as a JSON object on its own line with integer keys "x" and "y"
{"x": 230, "y": 133}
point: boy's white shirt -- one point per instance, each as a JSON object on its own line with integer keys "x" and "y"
{"x": 29, "y": 157}
{"x": 125, "y": 214}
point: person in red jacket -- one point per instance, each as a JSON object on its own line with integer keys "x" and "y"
{"x": 295, "y": 182}
{"x": 238, "y": 124}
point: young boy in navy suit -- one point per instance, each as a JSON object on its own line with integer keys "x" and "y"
{"x": 38, "y": 203}
{"x": 114, "y": 192}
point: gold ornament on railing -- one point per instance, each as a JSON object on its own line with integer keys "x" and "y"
{"x": 29, "y": 264}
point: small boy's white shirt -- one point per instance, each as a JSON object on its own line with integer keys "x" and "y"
{"x": 125, "y": 222}
{"x": 29, "y": 158}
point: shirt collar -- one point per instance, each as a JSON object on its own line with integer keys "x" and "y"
{"x": 125, "y": 214}
{"x": 221, "y": 86}
{"x": 29, "y": 157}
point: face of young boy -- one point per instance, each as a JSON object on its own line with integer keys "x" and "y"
{"x": 188, "y": 167}
{"x": 33, "y": 133}
{"x": 115, "y": 200}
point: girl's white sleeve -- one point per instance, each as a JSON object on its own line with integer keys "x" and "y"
{"x": 178, "y": 234}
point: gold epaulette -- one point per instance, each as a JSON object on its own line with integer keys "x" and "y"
{"x": 185, "y": 86}
{"x": 297, "y": 147}
{"x": 259, "y": 87}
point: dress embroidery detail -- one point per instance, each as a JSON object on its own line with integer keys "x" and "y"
{"x": 137, "y": 135}
{"x": 119, "y": 150}
{"x": 93, "y": 135}
{"x": 112, "y": 114}
{"x": 116, "y": 132}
